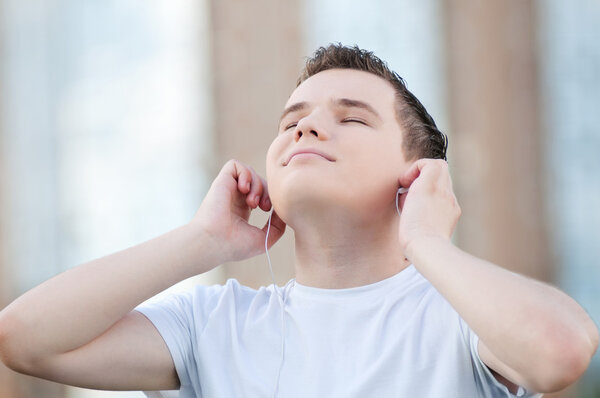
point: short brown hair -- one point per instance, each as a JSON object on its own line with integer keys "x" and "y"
{"x": 422, "y": 138}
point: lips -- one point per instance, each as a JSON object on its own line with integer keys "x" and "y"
{"x": 309, "y": 150}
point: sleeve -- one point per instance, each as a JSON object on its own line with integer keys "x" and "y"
{"x": 180, "y": 320}
{"x": 162, "y": 394}
{"x": 489, "y": 386}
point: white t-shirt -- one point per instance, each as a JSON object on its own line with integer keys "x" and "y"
{"x": 395, "y": 338}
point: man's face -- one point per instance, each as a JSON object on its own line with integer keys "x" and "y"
{"x": 348, "y": 116}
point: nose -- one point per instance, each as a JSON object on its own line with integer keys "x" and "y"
{"x": 310, "y": 126}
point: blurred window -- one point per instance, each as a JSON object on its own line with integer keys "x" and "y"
{"x": 408, "y": 35}
{"x": 570, "y": 92}
{"x": 105, "y": 127}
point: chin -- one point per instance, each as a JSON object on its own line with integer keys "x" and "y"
{"x": 299, "y": 202}
{"x": 314, "y": 202}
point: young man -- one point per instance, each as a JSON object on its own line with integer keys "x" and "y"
{"x": 382, "y": 305}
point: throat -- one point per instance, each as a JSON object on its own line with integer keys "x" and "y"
{"x": 346, "y": 264}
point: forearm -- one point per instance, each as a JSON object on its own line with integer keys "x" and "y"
{"x": 523, "y": 322}
{"x": 78, "y": 305}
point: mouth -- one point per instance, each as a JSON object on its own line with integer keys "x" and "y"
{"x": 308, "y": 154}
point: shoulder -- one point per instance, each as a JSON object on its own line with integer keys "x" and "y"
{"x": 434, "y": 312}
{"x": 200, "y": 301}
{"x": 193, "y": 310}
{"x": 230, "y": 297}
{"x": 232, "y": 292}
{"x": 427, "y": 296}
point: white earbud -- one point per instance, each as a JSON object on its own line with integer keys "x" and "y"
{"x": 401, "y": 190}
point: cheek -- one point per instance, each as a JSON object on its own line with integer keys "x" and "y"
{"x": 275, "y": 151}
{"x": 273, "y": 160}
{"x": 370, "y": 156}
{"x": 374, "y": 169}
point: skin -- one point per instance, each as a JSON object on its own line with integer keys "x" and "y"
{"x": 347, "y": 234}
{"x": 343, "y": 212}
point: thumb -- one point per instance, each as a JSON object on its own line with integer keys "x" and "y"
{"x": 276, "y": 228}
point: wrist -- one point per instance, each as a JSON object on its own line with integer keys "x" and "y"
{"x": 203, "y": 253}
{"x": 424, "y": 244}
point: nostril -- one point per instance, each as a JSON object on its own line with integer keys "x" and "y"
{"x": 314, "y": 132}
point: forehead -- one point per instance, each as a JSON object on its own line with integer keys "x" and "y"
{"x": 346, "y": 83}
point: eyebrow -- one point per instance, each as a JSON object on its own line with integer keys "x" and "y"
{"x": 344, "y": 102}
{"x": 298, "y": 106}
{"x": 351, "y": 103}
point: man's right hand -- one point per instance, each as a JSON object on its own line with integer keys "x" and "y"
{"x": 226, "y": 208}
{"x": 92, "y": 336}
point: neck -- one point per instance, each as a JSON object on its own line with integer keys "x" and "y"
{"x": 341, "y": 252}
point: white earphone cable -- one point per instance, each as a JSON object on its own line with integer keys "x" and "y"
{"x": 401, "y": 190}
{"x": 282, "y": 299}
{"x": 282, "y": 302}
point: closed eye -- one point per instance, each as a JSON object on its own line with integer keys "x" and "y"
{"x": 289, "y": 126}
{"x": 354, "y": 120}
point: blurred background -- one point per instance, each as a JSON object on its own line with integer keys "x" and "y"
{"x": 115, "y": 116}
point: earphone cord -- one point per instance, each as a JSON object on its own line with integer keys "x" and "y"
{"x": 282, "y": 301}
{"x": 269, "y": 258}
{"x": 401, "y": 190}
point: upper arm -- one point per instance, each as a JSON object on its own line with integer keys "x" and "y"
{"x": 502, "y": 372}
{"x": 130, "y": 355}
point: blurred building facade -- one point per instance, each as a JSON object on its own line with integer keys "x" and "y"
{"x": 116, "y": 116}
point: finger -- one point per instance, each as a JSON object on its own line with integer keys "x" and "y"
{"x": 428, "y": 169}
{"x": 244, "y": 178}
{"x": 444, "y": 181}
{"x": 256, "y": 189}
{"x": 447, "y": 177}
{"x": 406, "y": 179}
{"x": 240, "y": 174}
{"x": 277, "y": 229}
{"x": 265, "y": 203}
{"x": 265, "y": 199}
